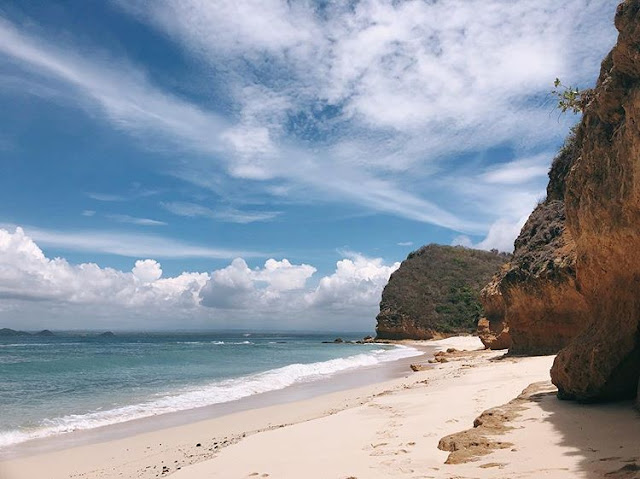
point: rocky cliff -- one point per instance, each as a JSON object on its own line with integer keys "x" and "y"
{"x": 436, "y": 291}
{"x": 602, "y": 202}
{"x": 532, "y": 305}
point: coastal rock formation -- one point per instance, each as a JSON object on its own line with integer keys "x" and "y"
{"x": 603, "y": 215}
{"x": 494, "y": 335}
{"x": 533, "y": 302}
{"x": 435, "y": 291}
{"x": 492, "y": 328}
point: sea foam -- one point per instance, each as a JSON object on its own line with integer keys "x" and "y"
{"x": 205, "y": 395}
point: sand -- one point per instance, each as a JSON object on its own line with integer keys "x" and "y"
{"x": 390, "y": 429}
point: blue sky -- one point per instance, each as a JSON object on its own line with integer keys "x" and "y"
{"x": 337, "y": 136}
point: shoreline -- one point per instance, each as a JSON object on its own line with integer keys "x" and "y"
{"x": 349, "y": 378}
{"x": 386, "y": 429}
{"x": 340, "y": 381}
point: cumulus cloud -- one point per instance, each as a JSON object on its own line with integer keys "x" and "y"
{"x": 239, "y": 287}
{"x": 357, "y": 281}
{"x": 26, "y": 273}
{"x": 147, "y": 270}
{"x": 284, "y": 276}
{"x": 236, "y": 294}
{"x": 501, "y": 236}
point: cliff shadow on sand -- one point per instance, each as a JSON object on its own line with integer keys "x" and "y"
{"x": 603, "y": 437}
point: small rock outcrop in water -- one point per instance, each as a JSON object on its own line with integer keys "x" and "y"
{"x": 435, "y": 291}
{"x": 106, "y": 334}
{"x": 602, "y": 201}
{"x": 532, "y": 305}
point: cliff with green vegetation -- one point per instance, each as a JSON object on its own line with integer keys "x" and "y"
{"x": 436, "y": 292}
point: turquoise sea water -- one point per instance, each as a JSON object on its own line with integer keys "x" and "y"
{"x": 53, "y": 385}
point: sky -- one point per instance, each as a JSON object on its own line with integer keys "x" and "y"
{"x": 264, "y": 164}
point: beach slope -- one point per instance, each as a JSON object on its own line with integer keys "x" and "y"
{"x": 390, "y": 429}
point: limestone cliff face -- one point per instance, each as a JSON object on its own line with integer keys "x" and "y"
{"x": 435, "y": 291}
{"x": 532, "y": 305}
{"x": 603, "y": 215}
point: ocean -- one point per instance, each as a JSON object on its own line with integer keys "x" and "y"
{"x": 70, "y": 382}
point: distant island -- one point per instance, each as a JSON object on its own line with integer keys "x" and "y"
{"x": 9, "y": 333}
{"x": 6, "y": 333}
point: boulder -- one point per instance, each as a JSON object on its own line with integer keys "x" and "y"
{"x": 494, "y": 335}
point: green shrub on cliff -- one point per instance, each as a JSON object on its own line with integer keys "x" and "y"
{"x": 570, "y": 98}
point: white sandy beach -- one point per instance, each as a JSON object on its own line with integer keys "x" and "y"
{"x": 390, "y": 429}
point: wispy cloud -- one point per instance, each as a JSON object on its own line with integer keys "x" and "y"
{"x": 132, "y": 103}
{"x": 134, "y": 192}
{"x": 231, "y": 215}
{"x": 106, "y": 197}
{"x": 135, "y": 221}
{"x": 519, "y": 171}
{"x": 368, "y": 103}
{"x": 405, "y": 243}
{"x": 124, "y": 94}
{"x": 132, "y": 245}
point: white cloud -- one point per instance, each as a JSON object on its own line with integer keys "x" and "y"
{"x": 365, "y": 103}
{"x": 239, "y": 287}
{"x": 236, "y": 295}
{"x": 106, "y": 197}
{"x": 129, "y": 244}
{"x": 135, "y": 221}
{"x": 462, "y": 240}
{"x": 357, "y": 281}
{"x": 400, "y": 65}
{"x": 405, "y": 243}
{"x": 245, "y": 150}
{"x": 411, "y": 85}
{"x": 147, "y": 270}
{"x": 284, "y": 276}
{"x": 501, "y": 236}
{"x": 128, "y": 99}
{"x": 26, "y": 273}
{"x": 230, "y": 215}
{"x": 88, "y": 213}
{"x": 362, "y": 103}
{"x": 519, "y": 171}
